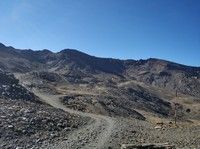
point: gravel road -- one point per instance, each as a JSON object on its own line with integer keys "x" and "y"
{"x": 94, "y": 135}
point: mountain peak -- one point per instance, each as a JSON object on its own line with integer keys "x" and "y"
{"x": 72, "y": 51}
{"x": 2, "y": 45}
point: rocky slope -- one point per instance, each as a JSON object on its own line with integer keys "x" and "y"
{"x": 25, "y": 124}
{"x": 126, "y": 90}
{"x": 11, "y": 89}
{"x": 55, "y": 72}
{"x": 74, "y": 64}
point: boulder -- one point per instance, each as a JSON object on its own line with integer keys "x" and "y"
{"x": 148, "y": 146}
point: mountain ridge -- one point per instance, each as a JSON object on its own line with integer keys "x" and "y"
{"x": 113, "y": 90}
{"x": 71, "y": 50}
{"x": 76, "y": 64}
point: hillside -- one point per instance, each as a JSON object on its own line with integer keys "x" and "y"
{"x": 72, "y": 63}
{"x": 137, "y": 93}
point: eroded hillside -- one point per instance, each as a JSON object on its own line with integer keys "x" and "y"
{"x": 96, "y": 98}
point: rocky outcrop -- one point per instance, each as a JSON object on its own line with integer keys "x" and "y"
{"x": 11, "y": 89}
{"x": 148, "y": 146}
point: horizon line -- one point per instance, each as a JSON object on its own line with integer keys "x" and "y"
{"x": 122, "y": 59}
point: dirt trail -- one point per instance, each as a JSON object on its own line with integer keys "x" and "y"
{"x": 94, "y": 135}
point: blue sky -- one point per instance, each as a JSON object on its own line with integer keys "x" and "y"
{"x": 125, "y": 29}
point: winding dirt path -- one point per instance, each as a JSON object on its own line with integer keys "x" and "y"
{"x": 93, "y": 136}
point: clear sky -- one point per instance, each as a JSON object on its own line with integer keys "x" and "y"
{"x": 125, "y": 29}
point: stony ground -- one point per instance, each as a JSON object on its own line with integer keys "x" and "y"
{"x": 101, "y": 99}
{"x": 132, "y": 131}
{"x": 26, "y": 124}
{"x": 31, "y": 125}
{"x": 93, "y": 135}
{"x": 109, "y": 129}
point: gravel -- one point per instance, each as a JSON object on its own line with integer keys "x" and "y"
{"x": 25, "y": 124}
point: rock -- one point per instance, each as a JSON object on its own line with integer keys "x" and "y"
{"x": 158, "y": 127}
{"x": 67, "y": 129}
{"x": 10, "y": 126}
{"x": 148, "y": 146}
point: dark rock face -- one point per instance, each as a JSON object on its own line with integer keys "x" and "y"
{"x": 89, "y": 63}
{"x": 149, "y": 101}
{"x": 10, "y": 88}
{"x": 148, "y": 146}
{"x": 2, "y": 45}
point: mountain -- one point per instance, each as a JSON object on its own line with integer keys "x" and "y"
{"x": 120, "y": 87}
{"x": 73, "y": 63}
{"x": 87, "y": 100}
